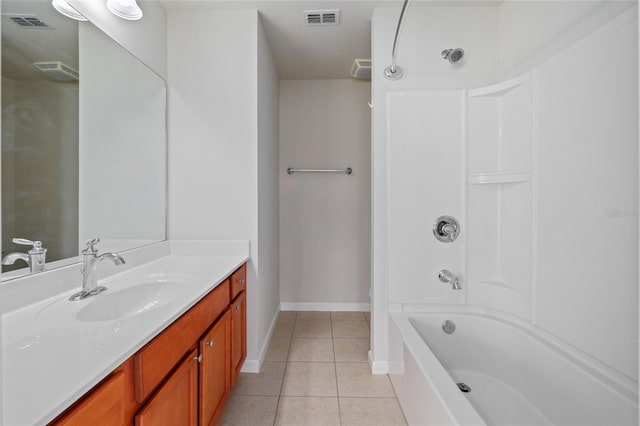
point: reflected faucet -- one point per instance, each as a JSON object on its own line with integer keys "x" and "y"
{"x": 447, "y": 277}
{"x": 35, "y": 258}
{"x": 90, "y": 263}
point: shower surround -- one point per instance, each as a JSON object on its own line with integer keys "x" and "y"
{"x": 535, "y": 153}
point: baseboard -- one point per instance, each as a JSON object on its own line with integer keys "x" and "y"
{"x": 254, "y": 365}
{"x": 331, "y": 307}
{"x": 378, "y": 367}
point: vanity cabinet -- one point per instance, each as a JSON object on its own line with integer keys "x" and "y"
{"x": 176, "y": 402}
{"x": 182, "y": 376}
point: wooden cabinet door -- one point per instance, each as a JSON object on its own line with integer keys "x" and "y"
{"x": 214, "y": 370}
{"x": 106, "y": 402}
{"x": 238, "y": 334}
{"x": 176, "y": 401}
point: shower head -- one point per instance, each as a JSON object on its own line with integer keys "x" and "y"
{"x": 453, "y": 55}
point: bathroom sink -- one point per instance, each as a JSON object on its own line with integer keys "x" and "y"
{"x": 133, "y": 300}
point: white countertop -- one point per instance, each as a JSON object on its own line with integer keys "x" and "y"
{"x": 50, "y": 358}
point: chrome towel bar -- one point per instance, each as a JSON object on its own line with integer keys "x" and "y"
{"x": 291, "y": 170}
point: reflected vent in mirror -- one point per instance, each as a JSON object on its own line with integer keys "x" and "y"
{"x": 28, "y": 21}
{"x": 57, "y": 70}
{"x": 322, "y": 17}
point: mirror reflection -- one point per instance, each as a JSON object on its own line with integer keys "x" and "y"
{"x": 83, "y": 139}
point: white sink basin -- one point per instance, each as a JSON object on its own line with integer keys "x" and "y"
{"x": 123, "y": 303}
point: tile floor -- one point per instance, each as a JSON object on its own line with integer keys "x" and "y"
{"x": 315, "y": 373}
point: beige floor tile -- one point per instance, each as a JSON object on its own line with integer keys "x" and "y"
{"x": 371, "y": 411}
{"x": 355, "y": 379}
{"x": 249, "y": 410}
{"x": 283, "y": 328}
{"x": 311, "y": 349}
{"x": 348, "y": 316}
{"x": 313, "y": 315}
{"x": 294, "y": 411}
{"x": 310, "y": 379}
{"x": 287, "y": 315}
{"x": 312, "y": 328}
{"x": 278, "y": 349}
{"x": 357, "y": 329}
{"x": 267, "y": 382}
{"x": 351, "y": 350}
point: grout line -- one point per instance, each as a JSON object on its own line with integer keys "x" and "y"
{"x": 335, "y": 371}
{"x": 284, "y": 375}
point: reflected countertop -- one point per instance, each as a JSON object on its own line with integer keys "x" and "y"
{"x": 51, "y": 358}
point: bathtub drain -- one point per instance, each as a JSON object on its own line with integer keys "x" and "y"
{"x": 463, "y": 387}
{"x": 449, "y": 326}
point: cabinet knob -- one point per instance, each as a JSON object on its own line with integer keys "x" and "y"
{"x": 198, "y": 358}
{"x": 241, "y": 280}
{"x": 237, "y": 307}
{"x": 209, "y": 343}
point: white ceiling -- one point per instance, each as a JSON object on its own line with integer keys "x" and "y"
{"x": 306, "y": 52}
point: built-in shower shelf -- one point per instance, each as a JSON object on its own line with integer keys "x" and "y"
{"x": 496, "y": 283}
{"x": 512, "y": 176}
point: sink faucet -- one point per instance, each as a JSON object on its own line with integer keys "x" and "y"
{"x": 35, "y": 257}
{"x": 447, "y": 277}
{"x": 90, "y": 263}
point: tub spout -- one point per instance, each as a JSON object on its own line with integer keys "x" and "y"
{"x": 447, "y": 277}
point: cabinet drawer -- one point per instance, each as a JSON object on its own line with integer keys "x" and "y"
{"x": 105, "y": 402}
{"x": 158, "y": 357}
{"x": 238, "y": 281}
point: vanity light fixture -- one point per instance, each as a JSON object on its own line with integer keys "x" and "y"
{"x": 125, "y": 9}
{"x": 67, "y": 10}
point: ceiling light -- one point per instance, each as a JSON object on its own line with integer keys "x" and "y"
{"x": 125, "y": 9}
{"x": 67, "y": 10}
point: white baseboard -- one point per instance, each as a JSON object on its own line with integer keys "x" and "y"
{"x": 254, "y": 365}
{"x": 331, "y": 307}
{"x": 378, "y": 367}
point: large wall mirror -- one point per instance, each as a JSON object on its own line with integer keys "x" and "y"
{"x": 83, "y": 139}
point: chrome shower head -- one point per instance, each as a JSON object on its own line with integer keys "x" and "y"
{"x": 453, "y": 55}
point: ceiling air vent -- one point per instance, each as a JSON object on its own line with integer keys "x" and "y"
{"x": 361, "y": 69}
{"x": 322, "y": 17}
{"x": 57, "y": 70}
{"x": 27, "y": 21}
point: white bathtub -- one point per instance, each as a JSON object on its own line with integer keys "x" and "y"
{"x": 518, "y": 375}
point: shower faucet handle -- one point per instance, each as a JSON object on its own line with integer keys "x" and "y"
{"x": 446, "y": 229}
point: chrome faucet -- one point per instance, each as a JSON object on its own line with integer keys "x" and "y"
{"x": 90, "y": 263}
{"x": 447, "y": 277}
{"x": 35, "y": 258}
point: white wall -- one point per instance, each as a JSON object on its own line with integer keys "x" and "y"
{"x": 426, "y": 32}
{"x": 215, "y": 154}
{"x": 587, "y": 286}
{"x": 268, "y": 300}
{"x": 325, "y": 218}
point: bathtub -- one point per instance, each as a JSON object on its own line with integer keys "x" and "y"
{"x": 518, "y": 375}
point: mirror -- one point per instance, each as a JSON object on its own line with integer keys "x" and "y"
{"x": 83, "y": 139}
